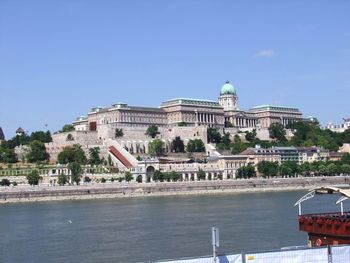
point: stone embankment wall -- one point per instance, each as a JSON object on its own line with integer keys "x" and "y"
{"x": 59, "y": 141}
{"x": 114, "y": 190}
{"x": 134, "y": 137}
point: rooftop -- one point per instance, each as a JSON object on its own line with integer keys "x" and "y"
{"x": 20, "y": 130}
{"x": 273, "y": 107}
{"x": 190, "y": 102}
{"x": 228, "y": 88}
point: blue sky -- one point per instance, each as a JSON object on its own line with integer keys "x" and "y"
{"x": 60, "y": 58}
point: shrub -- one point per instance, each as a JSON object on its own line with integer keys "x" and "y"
{"x": 33, "y": 178}
{"x": 5, "y": 182}
{"x": 120, "y": 179}
{"x": 87, "y": 179}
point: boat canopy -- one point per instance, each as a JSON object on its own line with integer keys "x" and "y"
{"x": 344, "y": 192}
{"x": 332, "y": 190}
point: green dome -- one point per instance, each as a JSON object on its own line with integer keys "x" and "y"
{"x": 228, "y": 88}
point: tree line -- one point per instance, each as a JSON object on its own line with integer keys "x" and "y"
{"x": 36, "y": 147}
{"x": 305, "y": 134}
{"x": 291, "y": 169}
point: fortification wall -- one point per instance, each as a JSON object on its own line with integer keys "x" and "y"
{"x": 60, "y": 140}
{"x": 134, "y": 138}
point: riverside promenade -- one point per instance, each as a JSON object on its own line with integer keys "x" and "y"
{"x": 133, "y": 189}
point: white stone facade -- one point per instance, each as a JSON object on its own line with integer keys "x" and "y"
{"x": 339, "y": 127}
{"x": 190, "y": 112}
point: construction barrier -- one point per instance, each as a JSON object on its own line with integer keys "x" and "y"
{"x": 220, "y": 259}
{"x": 333, "y": 254}
{"x": 340, "y": 254}
{"x": 319, "y": 255}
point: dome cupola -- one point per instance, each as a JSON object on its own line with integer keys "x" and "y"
{"x": 227, "y": 88}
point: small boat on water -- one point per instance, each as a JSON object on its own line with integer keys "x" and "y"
{"x": 323, "y": 229}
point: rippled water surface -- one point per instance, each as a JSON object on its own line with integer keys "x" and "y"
{"x": 143, "y": 229}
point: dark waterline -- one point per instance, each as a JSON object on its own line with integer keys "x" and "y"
{"x": 142, "y": 229}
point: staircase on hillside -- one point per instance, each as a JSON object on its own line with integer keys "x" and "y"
{"x": 122, "y": 156}
{"x": 212, "y": 150}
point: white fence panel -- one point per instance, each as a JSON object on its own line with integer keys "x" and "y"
{"x": 294, "y": 256}
{"x": 221, "y": 259}
{"x": 340, "y": 254}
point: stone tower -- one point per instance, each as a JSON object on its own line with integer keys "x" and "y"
{"x": 228, "y": 98}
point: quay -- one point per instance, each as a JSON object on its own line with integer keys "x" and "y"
{"x": 133, "y": 189}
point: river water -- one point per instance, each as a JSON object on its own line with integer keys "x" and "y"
{"x": 143, "y": 229}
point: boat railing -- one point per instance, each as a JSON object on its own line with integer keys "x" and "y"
{"x": 331, "y": 215}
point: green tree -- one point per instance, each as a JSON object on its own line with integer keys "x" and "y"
{"x": 87, "y": 179}
{"x": 238, "y": 146}
{"x": 332, "y": 169}
{"x": 152, "y": 131}
{"x": 289, "y": 168}
{"x": 322, "y": 169}
{"x": 311, "y": 134}
{"x": 250, "y": 136}
{"x": 62, "y": 179}
{"x": 41, "y": 136}
{"x": 226, "y": 139}
{"x": 225, "y": 143}
{"x": 195, "y": 145}
{"x": 37, "y": 152}
{"x": 167, "y": 177}
{"x": 246, "y": 172}
{"x": 7, "y": 155}
{"x": 76, "y": 171}
{"x": 103, "y": 180}
{"x": 158, "y": 176}
{"x": 94, "y": 156}
{"x": 18, "y": 140}
{"x": 182, "y": 124}
{"x": 277, "y": 132}
{"x": 346, "y": 136}
{"x": 178, "y": 145}
{"x": 201, "y": 175}
{"x": 33, "y": 178}
{"x": 345, "y": 168}
{"x": 156, "y": 147}
{"x": 67, "y": 128}
{"x": 121, "y": 179}
{"x": 346, "y": 158}
{"x": 213, "y": 135}
{"x": 128, "y": 176}
{"x": 191, "y": 146}
{"x": 72, "y": 154}
{"x": 305, "y": 169}
{"x": 174, "y": 176}
{"x": 5, "y": 182}
{"x": 118, "y": 133}
{"x": 268, "y": 168}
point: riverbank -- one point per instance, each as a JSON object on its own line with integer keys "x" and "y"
{"x": 127, "y": 190}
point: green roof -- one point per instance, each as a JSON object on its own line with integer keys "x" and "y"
{"x": 191, "y": 102}
{"x": 273, "y": 107}
{"x": 227, "y": 88}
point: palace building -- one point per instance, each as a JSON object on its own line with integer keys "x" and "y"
{"x": 192, "y": 112}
